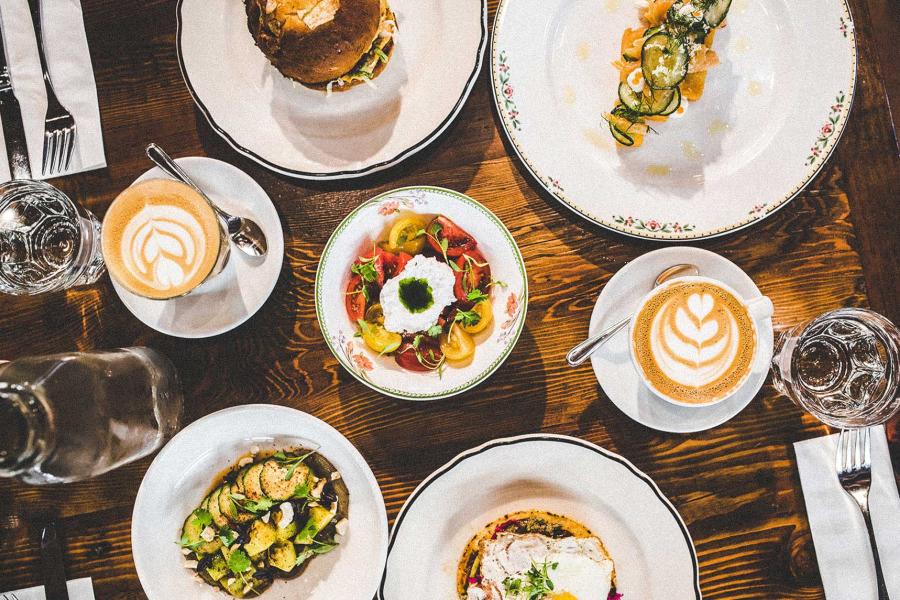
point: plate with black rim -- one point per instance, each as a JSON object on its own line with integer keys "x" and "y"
{"x": 309, "y": 134}
{"x": 758, "y": 129}
{"x": 644, "y": 535}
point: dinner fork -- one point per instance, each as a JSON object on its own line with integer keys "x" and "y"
{"x": 854, "y": 470}
{"x": 59, "y": 124}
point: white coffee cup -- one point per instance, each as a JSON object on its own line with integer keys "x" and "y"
{"x": 758, "y": 308}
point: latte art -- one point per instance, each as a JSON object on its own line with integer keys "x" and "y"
{"x": 161, "y": 239}
{"x": 694, "y": 341}
{"x": 162, "y": 246}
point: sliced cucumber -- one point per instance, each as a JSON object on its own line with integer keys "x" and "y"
{"x": 716, "y": 11}
{"x": 216, "y": 567}
{"x": 261, "y": 536}
{"x": 278, "y": 483}
{"x": 250, "y": 483}
{"x": 674, "y": 103}
{"x": 622, "y": 138}
{"x": 218, "y": 518}
{"x": 629, "y": 97}
{"x": 319, "y": 517}
{"x": 659, "y": 101}
{"x": 283, "y": 556}
{"x": 227, "y": 506}
{"x": 192, "y": 531}
{"x": 664, "y": 61}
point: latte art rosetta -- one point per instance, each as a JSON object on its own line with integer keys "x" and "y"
{"x": 694, "y": 341}
{"x": 163, "y": 246}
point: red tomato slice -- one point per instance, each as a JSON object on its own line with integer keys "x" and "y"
{"x": 458, "y": 241}
{"x": 408, "y": 357}
{"x": 355, "y": 299}
{"x": 472, "y": 275}
{"x": 402, "y": 259}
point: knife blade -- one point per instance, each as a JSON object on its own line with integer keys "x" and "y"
{"x": 11, "y": 118}
{"x": 53, "y": 566}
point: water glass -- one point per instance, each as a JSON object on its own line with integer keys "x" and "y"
{"x": 842, "y": 367}
{"x": 69, "y": 417}
{"x": 47, "y": 241}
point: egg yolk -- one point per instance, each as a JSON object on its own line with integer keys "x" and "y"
{"x": 562, "y": 596}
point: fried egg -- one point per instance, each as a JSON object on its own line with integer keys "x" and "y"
{"x": 512, "y": 565}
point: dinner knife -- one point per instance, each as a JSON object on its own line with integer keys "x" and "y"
{"x": 53, "y": 566}
{"x": 11, "y": 118}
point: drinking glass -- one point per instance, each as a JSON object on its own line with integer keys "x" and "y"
{"x": 47, "y": 241}
{"x": 842, "y": 367}
{"x": 69, "y": 417}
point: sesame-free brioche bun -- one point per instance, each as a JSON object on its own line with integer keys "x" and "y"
{"x": 314, "y": 41}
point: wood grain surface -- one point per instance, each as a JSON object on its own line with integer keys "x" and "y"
{"x": 736, "y": 486}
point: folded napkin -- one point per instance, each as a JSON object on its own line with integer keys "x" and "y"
{"x": 79, "y": 589}
{"x": 71, "y": 72}
{"x": 838, "y": 530}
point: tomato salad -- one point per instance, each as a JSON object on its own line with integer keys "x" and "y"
{"x": 436, "y": 242}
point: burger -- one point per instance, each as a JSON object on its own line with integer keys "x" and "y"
{"x": 325, "y": 44}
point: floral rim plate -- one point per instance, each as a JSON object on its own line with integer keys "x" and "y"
{"x": 182, "y": 472}
{"x": 303, "y": 133}
{"x": 359, "y": 229}
{"x": 645, "y": 535}
{"x": 770, "y": 117}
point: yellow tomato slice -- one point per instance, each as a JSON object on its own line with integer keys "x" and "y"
{"x": 375, "y": 314}
{"x": 378, "y": 338}
{"x": 457, "y": 344}
{"x": 485, "y": 310}
{"x": 403, "y": 238}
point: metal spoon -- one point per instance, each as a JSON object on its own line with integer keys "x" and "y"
{"x": 583, "y": 351}
{"x": 245, "y": 233}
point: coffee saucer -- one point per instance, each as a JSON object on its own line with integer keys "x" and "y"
{"x": 612, "y": 363}
{"x": 234, "y": 295}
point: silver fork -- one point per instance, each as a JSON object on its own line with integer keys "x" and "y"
{"x": 59, "y": 125}
{"x": 854, "y": 470}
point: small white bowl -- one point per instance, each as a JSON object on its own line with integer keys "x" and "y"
{"x": 184, "y": 471}
{"x": 365, "y": 225}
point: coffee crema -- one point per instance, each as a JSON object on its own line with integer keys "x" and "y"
{"x": 161, "y": 239}
{"x": 694, "y": 341}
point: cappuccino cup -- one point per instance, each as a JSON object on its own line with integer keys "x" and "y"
{"x": 161, "y": 239}
{"x": 694, "y": 340}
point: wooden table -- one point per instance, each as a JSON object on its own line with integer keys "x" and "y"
{"x": 736, "y": 486}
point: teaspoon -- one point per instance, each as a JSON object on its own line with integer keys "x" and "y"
{"x": 583, "y": 351}
{"x": 245, "y": 233}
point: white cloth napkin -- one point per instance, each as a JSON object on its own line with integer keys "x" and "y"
{"x": 79, "y": 589}
{"x": 70, "y": 68}
{"x": 838, "y": 530}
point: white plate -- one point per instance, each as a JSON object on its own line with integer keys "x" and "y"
{"x": 612, "y": 362}
{"x": 643, "y": 532}
{"x": 359, "y": 231}
{"x": 235, "y": 295}
{"x": 302, "y": 133}
{"x": 771, "y": 114}
{"x": 182, "y": 473}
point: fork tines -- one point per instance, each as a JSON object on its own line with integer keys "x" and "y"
{"x": 59, "y": 142}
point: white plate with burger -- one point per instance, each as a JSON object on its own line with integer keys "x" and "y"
{"x": 330, "y": 89}
{"x": 528, "y": 516}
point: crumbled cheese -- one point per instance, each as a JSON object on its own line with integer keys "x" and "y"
{"x": 208, "y": 534}
{"x": 317, "y": 490}
{"x": 265, "y": 518}
{"x": 341, "y": 526}
{"x": 245, "y": 461}
{"x": 287, "y": 515}
{"x": 311, "y": 504}
{"x": 335, "y": 476}
{"x": 231, "y": 581}
{"x": 247, "y": 589}
{"x": 190, "y": 564}
{"x": 254, "y": 449}
{"x": 185, "y": 551}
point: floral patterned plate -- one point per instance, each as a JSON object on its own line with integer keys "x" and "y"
{"x": 771, "y": 114}
{"x": 359, "y": 231}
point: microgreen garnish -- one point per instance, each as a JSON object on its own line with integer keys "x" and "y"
{"x": 476, "y": 296}
{"x": 467, "y": 317}
{"x": 315, "y": 548}
{"x": 238, "y": 562}
{"x": 262, "y": 505}
{"x": 433, "y": 230}
{"x": 184, "y": 542}
{"x": 202, "y": 518}
{"x": 537, "y": 584}
{"x": 293, "y": 461}
{"x": 365, "y": 268}
{"x": 228, "y": 536}
{"x": 435, "y": 330}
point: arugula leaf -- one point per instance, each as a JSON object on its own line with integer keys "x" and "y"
{"x": 238, "y": 562}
